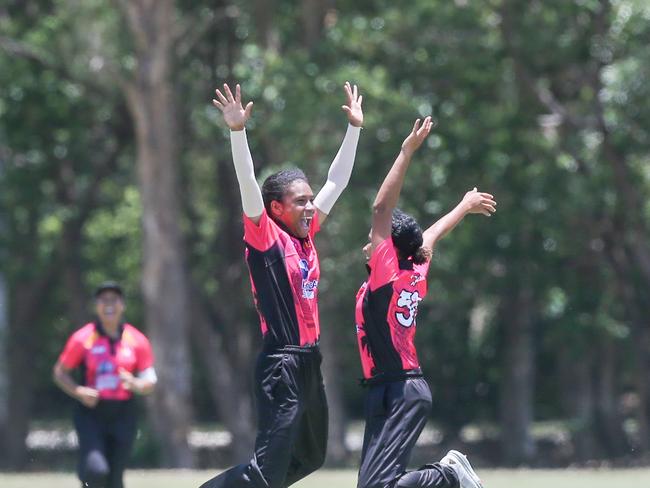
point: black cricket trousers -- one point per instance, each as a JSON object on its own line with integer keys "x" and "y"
{"x": 106, "y": 434}
{"x": 292, "y": 421}
{"x": 396, "y": 412}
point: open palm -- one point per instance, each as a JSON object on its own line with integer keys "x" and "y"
{"x": 234, "y": 114}
{"x": 479, "y": 202}
{"x": 417, "y": 136}
{"x": 353, "y": 109}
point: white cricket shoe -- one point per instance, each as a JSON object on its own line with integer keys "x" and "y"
{"x": 458, "y": 462}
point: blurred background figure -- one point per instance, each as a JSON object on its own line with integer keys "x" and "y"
{"x": 116, "y": 362}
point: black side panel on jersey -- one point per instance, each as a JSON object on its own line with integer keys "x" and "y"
{"x": 274, "y": 296}
{"x": 375, "y": 312}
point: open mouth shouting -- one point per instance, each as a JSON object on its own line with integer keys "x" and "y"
{"x": 304, "y": 223}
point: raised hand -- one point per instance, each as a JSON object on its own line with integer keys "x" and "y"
{"x": 234, "y": 114}
{"x": 417, "y": 136}
{"x": 353, "y": 109}
{"x": 478, "y": 202}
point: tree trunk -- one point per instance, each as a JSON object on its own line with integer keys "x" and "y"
{"x": 25, "y": 300}
{"x": 22, "y": 349}
{"x": 313, "y": 17}
{"x": 608, "y": 415}
{"x": 266, "y": 31}
{"x": 79, "y": 206}
{"x": 643, "y": 391}
{"x": 628, "y": 244}
{"x": 634, "y": 250}
{"x": 633, "y": 296}
{"x": 577, "y": 391}
{"x": 233, "y": 324}
{"x": 630, "y": 223}
{"x": 164, "y": 279}
{"x": 221, "y": 329}
{"x": 517, "y": 384}
{"x": 4, "y": 345}
{"x": 76, "y": 293}
{"x": 337, "y": 451}
{"x": 228, "y": 387}
{"x": 4, "y": 363}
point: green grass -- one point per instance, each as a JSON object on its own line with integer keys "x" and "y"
{"x": 347, "y": 479}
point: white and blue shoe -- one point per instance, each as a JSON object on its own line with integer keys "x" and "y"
{"x": 458, "y": 462}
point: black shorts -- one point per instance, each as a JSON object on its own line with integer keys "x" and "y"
{"x": 106, "y": 434}
{"x": 292, "y": 418}
{"x": 396, "y": 412}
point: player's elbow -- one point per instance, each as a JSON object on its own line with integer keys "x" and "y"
{"x": 380, "y": 208}
{"x": 57, "y": 373}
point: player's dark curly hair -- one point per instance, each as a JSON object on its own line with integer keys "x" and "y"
{"x": 275, "y": 186}
{"x": 407, "y": 237}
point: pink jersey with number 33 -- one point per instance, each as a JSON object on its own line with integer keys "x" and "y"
{"x": 386, "y": 310}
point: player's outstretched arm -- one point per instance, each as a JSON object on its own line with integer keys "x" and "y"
{"x": 388, "y": 195}
{"x": 473, "y": 202}
{"x": 341, "y": 168}
{"x": 235, "y": 116}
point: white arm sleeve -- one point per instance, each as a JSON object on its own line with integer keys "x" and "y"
{"x": 251, "y": 196}
{"x": 149, "y": 374}
{"x": 340, "y": 171}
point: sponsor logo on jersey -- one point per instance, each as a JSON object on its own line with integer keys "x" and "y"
{"x": 304, "y": 268}
{"x": 308, "y": 286}
{"x": 105, "y": 367}
{"x": 106, "y": 378}
{"x": 416, "y": 278}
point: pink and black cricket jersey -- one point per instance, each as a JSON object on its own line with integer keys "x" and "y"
{"x": 284, "y": 274}
{"x": 386, "y": 308}
{"x": 102, "y": 358}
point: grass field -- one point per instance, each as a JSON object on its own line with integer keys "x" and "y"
{"x": 347, "y": 479}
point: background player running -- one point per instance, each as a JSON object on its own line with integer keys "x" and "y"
{"x": 116, "y": 362}
{"x": 279, "y": 226}
{"x": 398, "y": 399}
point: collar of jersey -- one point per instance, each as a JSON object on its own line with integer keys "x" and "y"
{"x": 102, "y": 332}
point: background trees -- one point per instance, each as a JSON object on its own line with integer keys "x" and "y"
{"x": 114, "y": 164}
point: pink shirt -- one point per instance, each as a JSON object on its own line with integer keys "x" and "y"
{"x": 386, "y": 310}
{"x": 103, "y": 358}
{"x": 284, "y": 272}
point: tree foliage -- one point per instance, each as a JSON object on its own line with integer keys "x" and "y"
{"x": 535, "y": 314}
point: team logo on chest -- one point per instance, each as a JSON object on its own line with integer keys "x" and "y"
{"x": 407, "y": 300}
{"x": 107, "y": 378}
{"x": 304, "y": 268}
{"x": 308, "y": 286}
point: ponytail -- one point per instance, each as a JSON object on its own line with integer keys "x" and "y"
{"x": 421, "y": 256}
